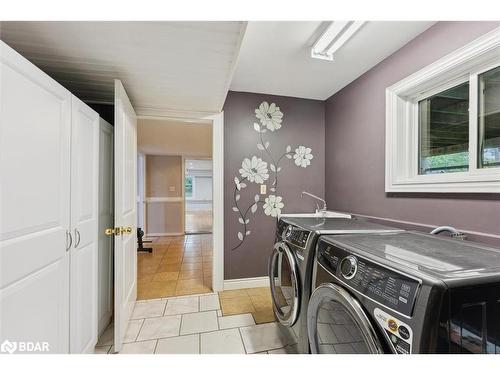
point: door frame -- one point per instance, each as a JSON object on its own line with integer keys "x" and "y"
{"x": 217, "y": 121}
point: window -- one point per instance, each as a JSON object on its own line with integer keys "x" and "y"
{"x": 443, "y": 123}
{"x": 444, "y": 131}
{"x": 489, "y": 119}
{"x": 188, "y": 186}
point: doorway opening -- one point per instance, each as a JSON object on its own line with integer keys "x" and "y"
{"x": 175, "y": 207}
{"x": 198, "y": 195}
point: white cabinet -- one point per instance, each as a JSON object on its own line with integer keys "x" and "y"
{"x": 84, "y": 226}
{"x": 48, "y": 221}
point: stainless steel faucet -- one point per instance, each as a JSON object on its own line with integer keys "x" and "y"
{"x": 318, "y": 210}
{"x": 454, "y": 233}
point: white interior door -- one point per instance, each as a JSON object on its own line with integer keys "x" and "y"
{"x": 84, "y": 221}
{"x": 106, "y": 220}
{"x": 35, "y": 135}
{"x": 125, "y": 212}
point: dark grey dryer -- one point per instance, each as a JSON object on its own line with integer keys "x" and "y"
{"x": 291, "y": 263}
{"x": 404, "y": 293}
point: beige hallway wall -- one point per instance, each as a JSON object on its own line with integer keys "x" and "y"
{"x": 164, "y": 207}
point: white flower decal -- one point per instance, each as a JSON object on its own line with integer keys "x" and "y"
{"x": 269, "y": 115}
{"x": 255, "y": 170}
{"x": 273, "y": 205}
{"x": 303, "y": 156}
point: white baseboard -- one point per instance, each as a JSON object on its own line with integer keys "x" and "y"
{"x": 251, "y": 282}
{"x": 164, "y": 234}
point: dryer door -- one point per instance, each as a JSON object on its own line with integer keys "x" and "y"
{"x": 284, "y": 279}
{"x": 336, "y": 323}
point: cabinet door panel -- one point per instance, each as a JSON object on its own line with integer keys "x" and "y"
{"x": 84, "y": 213}
{"x": 35, "y": 125}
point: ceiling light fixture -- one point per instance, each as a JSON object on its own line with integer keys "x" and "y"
{"x": 333, "y": 38}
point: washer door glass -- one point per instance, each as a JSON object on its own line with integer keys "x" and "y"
{"x": 336, "y": 323}
{"x": 283, "y": 274}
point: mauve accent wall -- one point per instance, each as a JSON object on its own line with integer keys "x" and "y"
{"x": 355, "y": 145}
{"x": 303, "y": 124}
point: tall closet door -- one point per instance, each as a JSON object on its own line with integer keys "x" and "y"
{"x": 84, "y": 224}
{"x": 35, "y": 121}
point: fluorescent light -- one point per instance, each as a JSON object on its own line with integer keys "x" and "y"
{"x": 333, "y": 38}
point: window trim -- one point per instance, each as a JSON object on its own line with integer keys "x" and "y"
{"x": 402, "y": 131}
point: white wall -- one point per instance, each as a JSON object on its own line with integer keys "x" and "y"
{"x": 169, "y": 137}
{"x": 202, "y": 188}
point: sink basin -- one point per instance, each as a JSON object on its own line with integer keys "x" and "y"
{"x": 320, "y": 214}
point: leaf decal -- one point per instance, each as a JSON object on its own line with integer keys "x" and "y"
{"x": 240, "y": 236}
{"x": 235, "y": 209}
{"x": 237, "y": 198}
{"x": 288, "y": 148}
{"x": 266, "y": 145}
{"x": 279, "y": 169}
{"x": 256, "y": 198}
{"x": 288, "y": 156}
{"x": 236, "y": 181}
{"x": 241, "y": 220}
{"x": 254, "y": 208}
{"x": 273, "y": 189}
{"x": 260, "y": 147}
{"x": 247, "y": 221}
{"x": 248, "y": 232}
{"x": 273, "y": 168}
{"x": 256, "y": 127}
{"x": 243, "y": 185}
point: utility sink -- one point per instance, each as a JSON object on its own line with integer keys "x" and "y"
{"x": 320, "y": 215}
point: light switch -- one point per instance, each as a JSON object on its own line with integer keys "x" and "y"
{"x": 171, "y": 188}
{"x": 263, "y": 189}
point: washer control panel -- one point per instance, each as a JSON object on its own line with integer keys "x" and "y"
{"x": 293, "y": 235}
{"x": 383, "y": 285}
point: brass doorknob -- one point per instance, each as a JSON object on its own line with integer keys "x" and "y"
{"x": 118, "y": 231}
{"x": 112, "y": 231}
{"x": 126, "y": 230}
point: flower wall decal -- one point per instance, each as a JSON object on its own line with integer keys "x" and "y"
{"x": 303, "y": 156}
{"x": 255, "y": 169}
{"x": 269, "y": 115}
{"x": 273, "y": 205}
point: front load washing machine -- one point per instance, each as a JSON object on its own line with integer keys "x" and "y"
{"x": 404, "y": 293}
{"x": 291, "y": 263}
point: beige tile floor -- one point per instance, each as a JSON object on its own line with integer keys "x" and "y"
{"x": 198, "y": 221}
{"x": 178, "y": 266}
{"x": 196, "y": 325}
{"x": 256, "y": 301}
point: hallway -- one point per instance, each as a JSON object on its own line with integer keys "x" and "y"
{"x": 178, "y": 266}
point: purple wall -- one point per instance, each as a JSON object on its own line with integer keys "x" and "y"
{"x": 303, "y": 124}
{"x": 355, "y": 140}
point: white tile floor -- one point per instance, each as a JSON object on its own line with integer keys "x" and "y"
{"x": 194, "y": 325}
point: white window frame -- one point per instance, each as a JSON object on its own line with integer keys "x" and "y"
{"x": 402, "y": 126}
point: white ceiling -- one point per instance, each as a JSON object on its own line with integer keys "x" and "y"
{"x": 166, "y": 67}
{"x": 275, "y": 57}
{"x": 185, "y": 68}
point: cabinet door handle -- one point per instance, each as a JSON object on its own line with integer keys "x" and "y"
{"x": 70, "y": 237}
{"x": 77, "y": 238}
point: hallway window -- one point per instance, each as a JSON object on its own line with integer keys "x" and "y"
{"x": 188, "y": 189}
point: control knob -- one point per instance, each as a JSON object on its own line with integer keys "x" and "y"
{"x": 348, "y": 267}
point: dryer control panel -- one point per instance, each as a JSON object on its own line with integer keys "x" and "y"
{"x": 372, "y": 280}
{"x": 293, "y": 235}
